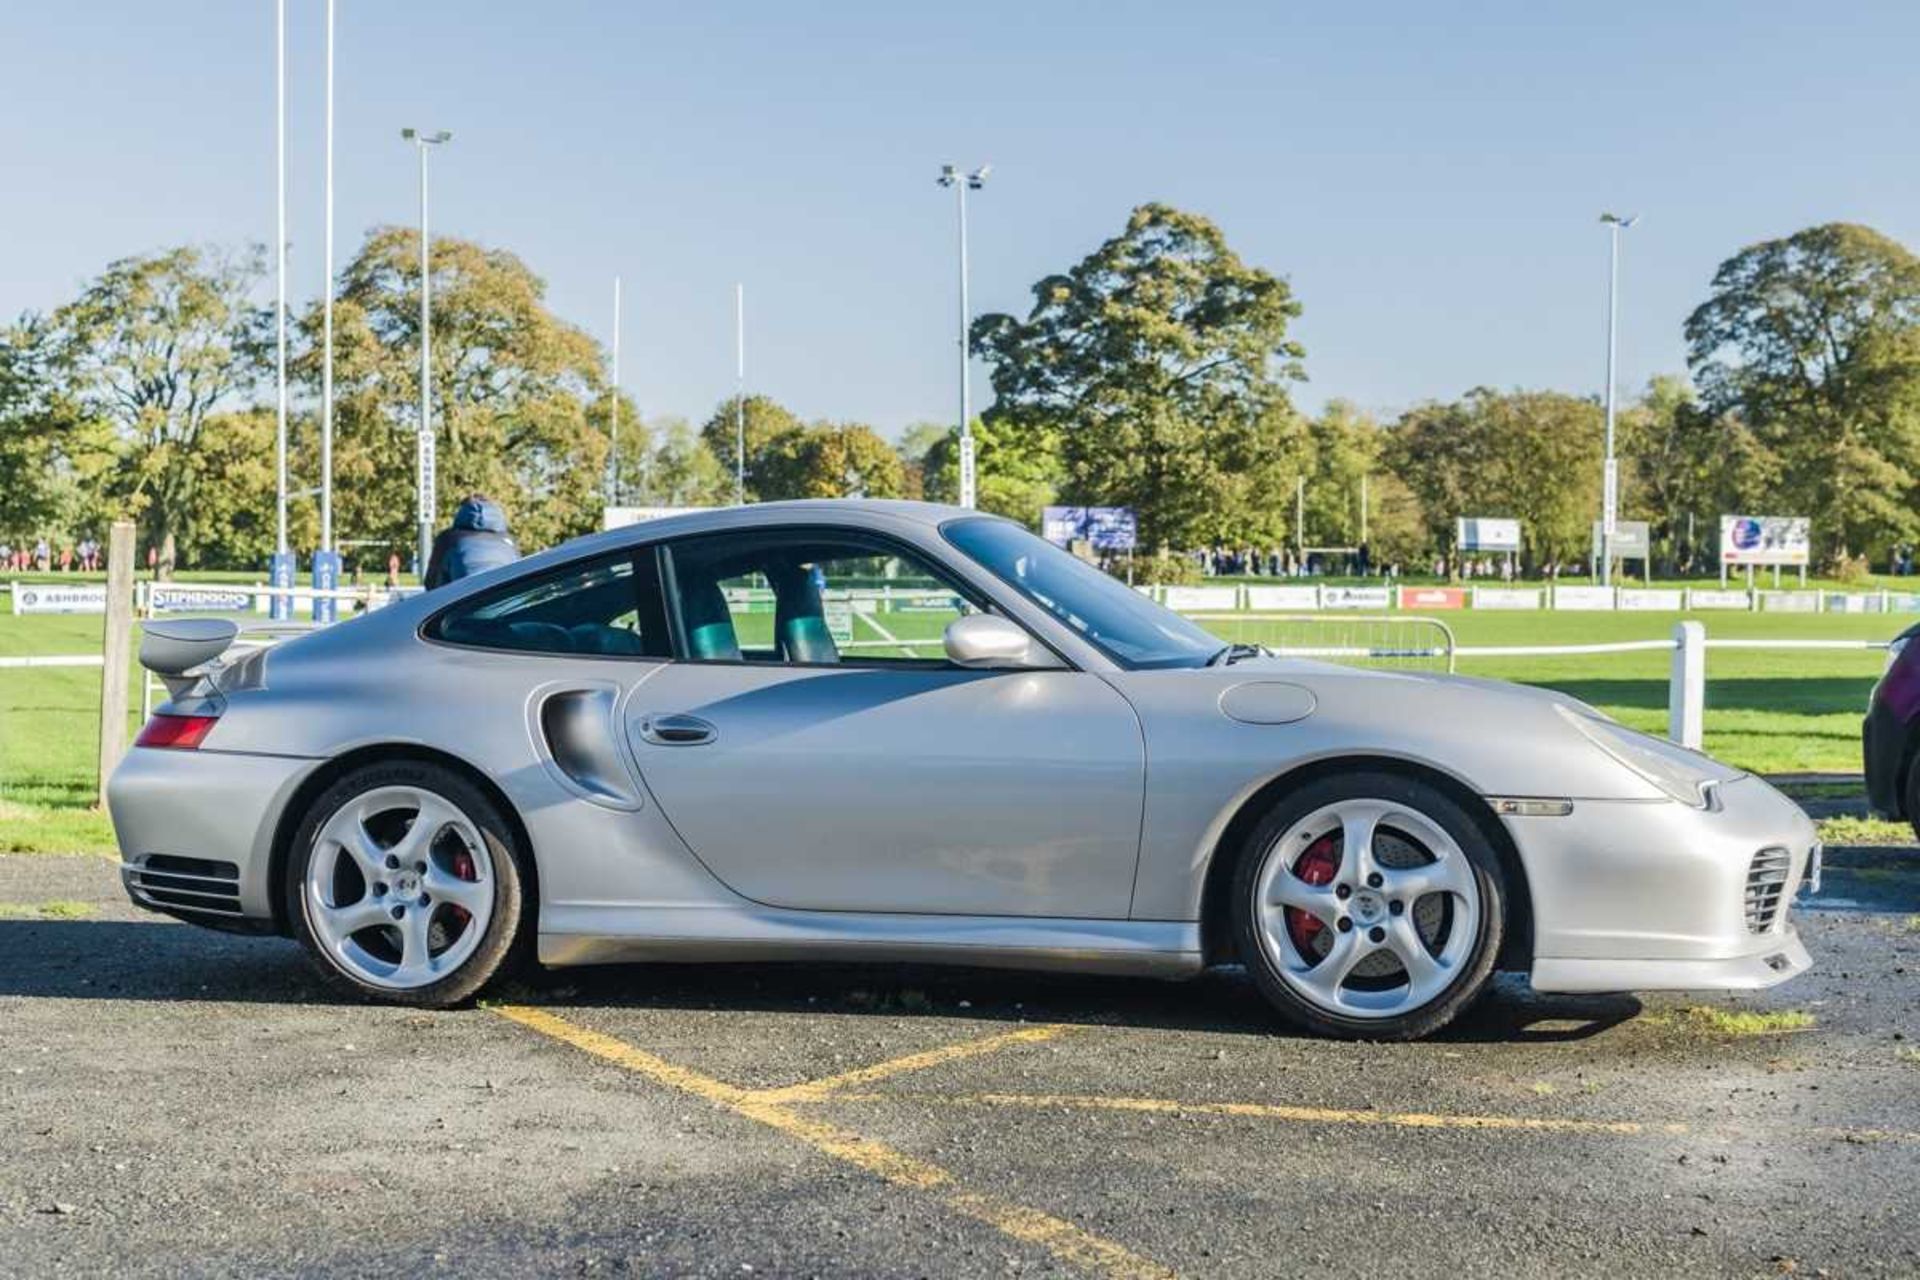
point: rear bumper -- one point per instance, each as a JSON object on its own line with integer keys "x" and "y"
{"x": 1883, "y": 745}
{"x": 195, "y": 830}
{"x": 1639, "y": 896}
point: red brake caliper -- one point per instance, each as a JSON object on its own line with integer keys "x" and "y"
{"x": 1316, "y": 866}
{"x": 463, "y": 868}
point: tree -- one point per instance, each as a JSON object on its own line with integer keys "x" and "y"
{"x": 158, "y": 346}
{"x": 1685, "y": 467}
{"x": 1346, "y": 449}
{"x": 51, "y": 454}
{"x": 915, "y": 443}
{"x": 1813, "y": 342}
{"x": 513, "y": 393}
{"x": 685, "y": 472}
{"x": 763, "y": 421}
{"x": 1161, "y": 361}
{"x": 1017, "y": 471}
{"x": 830, "y": 460}
{"x": 1531, "y": 455}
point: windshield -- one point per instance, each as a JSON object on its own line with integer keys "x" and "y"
{"x": 1128, "y": 627}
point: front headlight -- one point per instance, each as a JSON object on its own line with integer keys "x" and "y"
{"x": 1894, "y": 646}
{"x": 1685, "y": 775}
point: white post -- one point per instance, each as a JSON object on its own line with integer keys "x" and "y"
{"x": 326, "y": 359}
{"x": 740, "y": 395}
{"x": 280, "y": 272}
{"x": 425, "y": 455}
{"x": 1687, "y": 686}
{"x": 613, "y": 413}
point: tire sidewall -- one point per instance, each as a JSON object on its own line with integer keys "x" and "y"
{"x": 501, "y": 946}
{"x": 1415, "y": 794}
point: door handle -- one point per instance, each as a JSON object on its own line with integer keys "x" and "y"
{"x": 676, "y": 730}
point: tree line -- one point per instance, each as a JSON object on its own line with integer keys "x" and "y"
{"x": 1154, "y": 373}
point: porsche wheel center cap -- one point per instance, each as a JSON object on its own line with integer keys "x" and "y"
{"x": 1368, "y": 907}
{"x": 406, "y": 884}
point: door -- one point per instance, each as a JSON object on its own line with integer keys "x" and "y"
{"x": 816, "y": 750}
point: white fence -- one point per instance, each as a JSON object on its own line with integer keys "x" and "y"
{"x": 1294, "y": 595}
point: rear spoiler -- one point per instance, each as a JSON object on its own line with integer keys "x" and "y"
{"x": 171, "y": 648}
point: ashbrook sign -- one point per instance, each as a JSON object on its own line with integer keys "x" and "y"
{"x": 39, "y": 597}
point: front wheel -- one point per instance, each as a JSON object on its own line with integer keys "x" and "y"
{"x": 1369, "y": 906}
{"x": 404, "y": 884}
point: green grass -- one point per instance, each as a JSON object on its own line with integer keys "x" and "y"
{"x": 1735, "y": 1023}
{"x": 1771, "y": 712}
{"x": 59, "y": 909}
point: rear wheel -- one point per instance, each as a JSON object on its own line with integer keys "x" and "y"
{"x": 1369, "y": 906}
{"x": 1911, "y": 800}
{"x": 405, "y": 884}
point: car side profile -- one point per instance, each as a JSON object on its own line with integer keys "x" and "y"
{"x": 858, "y": 730}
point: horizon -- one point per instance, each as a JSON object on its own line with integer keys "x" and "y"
{"x": 1454, "y": 170}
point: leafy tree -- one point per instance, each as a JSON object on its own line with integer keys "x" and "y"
{"x": 1813, "y": 342}
{"x": 830, "y": 460}
{"x": 158, "y": 346}
{"x": 1532, "y": 455}
{"x": 685, "y": 472}
{"x": 1017, "y": 470}
{"x": 1346, "y": 447}
{"x": 512, "y": 386}
{"x": 915, "y": 443}
{"x": 763, "y": 421}
{"x": 51, "y": 454}
{"x": 1685, "y": 467}
{"x": 1161, "y": 361}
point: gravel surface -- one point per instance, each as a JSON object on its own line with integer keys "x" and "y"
{"x": 176, "y": 1101}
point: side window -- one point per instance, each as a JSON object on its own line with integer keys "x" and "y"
{"x": 796, "y": 596}
{"x": 601, "y": 608}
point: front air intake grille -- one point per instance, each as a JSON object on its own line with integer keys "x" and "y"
{"x": 1767, "y": 888}
{"x": 197, "y": 885}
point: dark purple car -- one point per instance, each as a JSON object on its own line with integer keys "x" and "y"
{"x": 1891, "y": 733}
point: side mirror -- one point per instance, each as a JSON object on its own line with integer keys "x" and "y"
{"x": 987, "y": 640}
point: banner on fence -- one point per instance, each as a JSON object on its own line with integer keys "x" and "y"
{"x": 172, "y": 597}
{"x": 1202, "y": 597}
{"x": 1765, "y": 539}
{"x": 1355, "y": 598}
{"x": 1853, "y": 602}
{"x": 1651, "y": 599}
{"x": 1903, "y": 602}
{"x": 1506, "y": 597}
{"x": 1790, "y": 601}
{"x": 1583, "y": 598}
{"x": 1632, "y": 539}
{"x": 1282, "y": 598}
{"x": 1713, "y": 598}
{"x": 38, "y": 597}
{"x": 1433, "y": 598}
{"x": 1483, "y": 534}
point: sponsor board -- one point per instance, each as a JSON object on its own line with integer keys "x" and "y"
{"x": 168, "y": 597}
{"x": 839, "y": 616}
{"x": 1652, "y": 599}
{"x": 39, "y": 597}
{"x": 1711, "y": 598}
{"x": 1765, "y": 539}
{"x": 1903, "y": 602}
{"x": 1789, "y": 601}
{"x": 1271, "y": 598}
{"x": 1433, "y": 597}
{"x": 1853, "y": 602}
{"x": 1507, "y": 597}
{"x": 1631, "y": 539}
{"x": 1356, "y": 598}
{"x": 1104, "y": 528}
{"x": 1202, "y": 598}
{"x": 621, "y": 517}
{"x": 1596, "y": 599}
{"x": 1487, "y": 534}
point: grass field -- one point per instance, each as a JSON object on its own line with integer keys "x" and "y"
{"x": 1767, "y": 711}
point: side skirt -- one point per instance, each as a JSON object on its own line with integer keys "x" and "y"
{"x": 580, "y": 935}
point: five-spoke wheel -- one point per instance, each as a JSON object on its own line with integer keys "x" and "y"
{"x": 1369, "y": 905}
{"x": 404, "y": 883}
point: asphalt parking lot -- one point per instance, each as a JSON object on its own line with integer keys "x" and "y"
{"x": 176, "y": 1101}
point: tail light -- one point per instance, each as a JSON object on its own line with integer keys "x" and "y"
{"x": 181, "y": 733}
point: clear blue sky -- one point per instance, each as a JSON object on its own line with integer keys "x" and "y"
{"x": 1427, "y": 175}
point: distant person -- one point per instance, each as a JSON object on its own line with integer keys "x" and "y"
{"x": 476, "y": 541}
{"x": 393, "y": 569}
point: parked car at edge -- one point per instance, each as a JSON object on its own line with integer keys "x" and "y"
{"x": 890, "y": 731}
{"x": 1890, "y": 735}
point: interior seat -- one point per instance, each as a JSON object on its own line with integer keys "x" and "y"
{"x": 800, "y": 616}
{"x": 710, "y": 633}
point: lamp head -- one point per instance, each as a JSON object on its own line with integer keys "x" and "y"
{"x": 978, "y": 178}
{"x": 1614, "y": 219}
{"x": 949, "y": 174}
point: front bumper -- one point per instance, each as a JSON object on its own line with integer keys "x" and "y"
{"x": 1637, "y": 896}
{"x": 195, "y": 830}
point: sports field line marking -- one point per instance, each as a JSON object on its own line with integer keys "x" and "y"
{"x": 814, "y": 1090}
{"x": 1065, "y": 1241}
{"x": 1338, "y": 1116}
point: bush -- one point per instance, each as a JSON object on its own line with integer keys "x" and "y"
{"x": 1162, "y": 570}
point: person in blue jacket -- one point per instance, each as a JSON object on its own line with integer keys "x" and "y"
{"x": 476, "y": 541}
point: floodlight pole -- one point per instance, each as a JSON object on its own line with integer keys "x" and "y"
{"x": 740, "y": 395}
{"x": 950, "y": 176}
{"x": 326, "y": 359}
{"x": 1610, "y": 477}
{"x": 280, "y": 259}
{"x": 613, "y": 413}
{"x": 423, "y": 454}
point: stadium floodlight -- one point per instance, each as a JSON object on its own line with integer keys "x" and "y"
{"x": 1610, "y": 476}
{"x": 950, "y": 176}
{"x": 423, "y": 453}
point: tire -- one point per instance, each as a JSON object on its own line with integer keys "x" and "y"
{"x": 373, "y": 921}
{"x": 1439, "y": 888}
{"x": 1910, "y": 799}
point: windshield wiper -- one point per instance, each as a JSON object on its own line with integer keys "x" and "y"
{"x": 1229, "y": 654}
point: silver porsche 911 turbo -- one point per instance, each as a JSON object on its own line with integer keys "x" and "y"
{"x": 903, "y": 732}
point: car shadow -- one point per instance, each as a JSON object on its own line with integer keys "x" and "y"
{"x": 161, "y": 961}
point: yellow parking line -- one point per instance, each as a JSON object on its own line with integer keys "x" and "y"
{"x": 1065, "y": 1241}
{"x": 1270, "y": 1111}
{"x": 814, "y": 1090}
